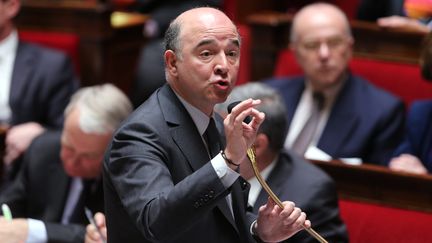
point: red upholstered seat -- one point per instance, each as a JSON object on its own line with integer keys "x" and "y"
{"x": 65, "y": 42}
{"x": 377, "y": 224}
{"x": 245, "y": 58}
{"x": 401, "y": 79}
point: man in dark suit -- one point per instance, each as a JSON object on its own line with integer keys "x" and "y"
{"x": 289, "y": 176}
{"x": 62, "y": 171}
{"x": 353, "y": 119}
{"x": 414, "y": 154}
{"x": 36, "y": 84}
{"x": 167, "y": 175}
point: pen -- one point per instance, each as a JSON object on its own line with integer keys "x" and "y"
{"x": 89, "y": 216}
{"x": 6, "y": 212}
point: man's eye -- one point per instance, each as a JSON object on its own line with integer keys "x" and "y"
{"x": 311, "y": 45}
{"x": 205, "y": 54}
{"x": 232, "y": 54}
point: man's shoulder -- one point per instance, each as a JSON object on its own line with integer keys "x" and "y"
{"x": 421, "y": 106}
{"x": 49, "y": 143}
{"x": 284, "y": 81}
{"x": 41, "y": 51}
{"x": 372, "y": 93}
{"x": 303, "y": 169}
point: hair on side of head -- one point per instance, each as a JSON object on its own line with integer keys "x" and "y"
{"x": 102, "y": 108}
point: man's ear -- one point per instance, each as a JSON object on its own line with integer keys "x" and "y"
{"x": 261, "y": 143}
{"x": 12, "y": 8}
{"x": 171, "y": 62}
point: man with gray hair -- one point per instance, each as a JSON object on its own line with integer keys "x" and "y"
{"x": 62, "y": 171}
{"x": 289, "y": 176}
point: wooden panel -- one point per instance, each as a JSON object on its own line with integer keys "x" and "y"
{"x": 377, "y": 184}
{"x": 109, "y": 44}
{"x": 270, "y": 33}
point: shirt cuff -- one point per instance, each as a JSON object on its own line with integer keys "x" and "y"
{"x": 37, "y": 232}
{"x": 223, "y": 171}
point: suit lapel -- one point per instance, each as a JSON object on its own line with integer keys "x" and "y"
{"x": 292, "y": 93}
{"x": 274, "y": 180}
{"x": 22, "y": 71}
{"x": 342, "y": 121}
{"x": 182, "y": 129}
{"x": 60, "y": 183}
{"x": 189, "y": 141}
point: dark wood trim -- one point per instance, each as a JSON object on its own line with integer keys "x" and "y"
{"x": 270, "y": 33}
{"x": 107, "y": 52}
{"x": 377, "y": 184}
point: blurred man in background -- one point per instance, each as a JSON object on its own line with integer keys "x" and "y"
{"x": 61, "y": 172}
{"x": 331, "y": 112}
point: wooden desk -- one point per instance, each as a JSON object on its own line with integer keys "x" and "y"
{"x": 377, "y": 184}
{"x": 270, "y": 32}
{"x": 109, "y": 43}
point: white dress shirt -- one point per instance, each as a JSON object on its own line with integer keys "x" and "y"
{"x": 8, "y": 48}
{"x": 303, "y": 110}
{"x": 255, "y": 186}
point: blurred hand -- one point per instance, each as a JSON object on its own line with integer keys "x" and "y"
{"x": 19, "y": 138}
{"x": 408, "y": 163}
{"x": 15, "y": 231}
{"x": 275, "y": 225}
{"x": 92, "y": 235}
{"x": 404, "y": 23}
{"x": 239, "y": 135}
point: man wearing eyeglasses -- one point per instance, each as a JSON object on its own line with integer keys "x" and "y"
{"x": 334, "y": 114}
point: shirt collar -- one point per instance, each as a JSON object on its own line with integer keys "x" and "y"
{"x": 330, "y": 93}
{"x": 200, "y": 119}
{"x": 9, "y": 44}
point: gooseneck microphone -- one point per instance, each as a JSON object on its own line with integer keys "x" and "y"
{"x": 251, "y": 155}
{"x": 232, "y": 105}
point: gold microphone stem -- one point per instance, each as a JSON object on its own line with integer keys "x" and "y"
{"x": 252, "y": 158}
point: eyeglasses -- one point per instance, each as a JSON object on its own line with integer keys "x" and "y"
{"x": 332, "y": 43}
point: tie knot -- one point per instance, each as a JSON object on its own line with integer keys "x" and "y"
{"x": 319, "y": 100}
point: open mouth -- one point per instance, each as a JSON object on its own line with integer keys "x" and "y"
{"x": 222, "y": 83}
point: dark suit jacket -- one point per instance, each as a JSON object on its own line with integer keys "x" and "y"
{"x": 418, "y": 135}
{"x": 365, "y": 121}
{"x": 41, "y": 189}
{"x": 43, "y": 81}
{"x": 297, "y": 180}
{"x": 159, "y": 185}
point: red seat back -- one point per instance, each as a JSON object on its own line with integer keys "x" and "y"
{"x": 401, "y": 79}
{"x": 65, "y": 42}
{"x": 376, "y": 224}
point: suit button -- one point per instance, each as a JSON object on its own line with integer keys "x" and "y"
{"x": 211, "y": 192}
{"x": 244, "y": 185}
{"x": 197, "y": 205}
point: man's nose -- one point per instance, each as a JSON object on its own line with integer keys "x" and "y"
{"x": 324, "y": 50}
{"x": 221, "y": 66}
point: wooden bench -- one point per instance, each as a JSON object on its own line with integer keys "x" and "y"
{"x": 109, "y": 42}
{"x": 379, "y": 205}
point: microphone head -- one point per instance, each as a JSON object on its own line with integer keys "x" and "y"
{"x": 232, "y": 105}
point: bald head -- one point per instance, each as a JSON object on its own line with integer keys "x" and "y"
{"x": 316, "y": 16}
{"x": 202, "y": 57}
{"x": 194, "y": 19}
